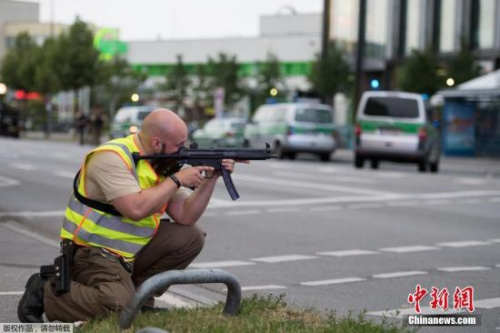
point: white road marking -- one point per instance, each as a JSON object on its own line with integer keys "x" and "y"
{"x": 243, "y": 212}
{"x": 65, "y": 174}
{"x": 333, "y": 281}
{"x": 324, "y": 208}
{"x": 22, "y": 166}
{"x": 346, "y": 253}
{"x": 463, "y": 269}
{"x": 268, "y": 287}
{"x": 455, "y": 195}
{"x": 291, "y": 257}
{"x": 364, "y": 206}
{"x": 437, "y": 202}
{"x": 221, "y": 264}
{"x": 463, "y": 244}
{"x": 403, "y": 203}
{"x": 398, "y": 274}
{"x": 353, "y": 199}
{"x": 11, "y": 293}
{"x": 356, "y": 180}
{"x": 215, "y": 202}
{"x": 489, "y": 303}
{"x": 8, "y": 182}
{"x": 329, "y": 170}
{"x": 470, "y": 181}
{"x": 396, "y": 175}
{"x": 496, "y": 240}
{"x": 283, "y": 210}
{"x": 316, "y": 186}
{"x": 409, "y": 249}
{"x": 55, "y": 213}
{"x": 20, "y": 230}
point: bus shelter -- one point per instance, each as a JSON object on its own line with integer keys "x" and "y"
{"x": 471, "y": 117}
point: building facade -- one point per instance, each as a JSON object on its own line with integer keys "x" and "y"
{"x": 396, "y": 27}
{"x": 15, "y": 11}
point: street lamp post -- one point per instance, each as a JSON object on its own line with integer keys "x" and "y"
{"x": 360, "y": 49}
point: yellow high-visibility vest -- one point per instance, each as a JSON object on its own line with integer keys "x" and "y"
{"x": 88, "y": 226}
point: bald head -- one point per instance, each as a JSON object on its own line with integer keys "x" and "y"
{"x": 163, "y": 126}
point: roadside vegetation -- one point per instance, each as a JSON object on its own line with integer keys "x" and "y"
{"x": 257, "y": 314}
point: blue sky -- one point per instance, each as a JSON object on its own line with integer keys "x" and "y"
{"x": 167, "y": 19}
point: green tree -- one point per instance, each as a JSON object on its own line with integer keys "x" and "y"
{"x": 117, "y": 82}
{"x": 268, "y": 77}
{"x": 421, "y": 73}
{"x": 201, "y": 92}
{"x": 20, "y": 64}
{"x": 76, "y": 58}
{"x": 463, "y": 67}
{"x": 178, "y": 83}
{"x": 331, "y": 74}
{"x": 224, "y": 74}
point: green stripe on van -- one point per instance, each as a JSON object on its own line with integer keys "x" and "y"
{"x": 371, "y": 126}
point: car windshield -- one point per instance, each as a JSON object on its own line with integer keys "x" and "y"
{"x": 238, "y": 126}
{"x": 143, "y": 114}
{"x": 392, "y": 107}
{"x": 313, "y": 115}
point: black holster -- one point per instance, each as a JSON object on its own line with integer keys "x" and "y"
{"x": 60, "y": 272}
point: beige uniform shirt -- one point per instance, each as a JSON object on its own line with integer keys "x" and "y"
{"x": 108, "y": 178}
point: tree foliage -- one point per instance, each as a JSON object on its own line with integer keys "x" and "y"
{"x": 463, "y": 67}
{"x": 421, "y": 73}
{"x": 269, "y": 77}
{"x": 178, "y": 83}
{"x": 330, "y": 75}
{"x": 76, "y": 58}
{"x": 223, "y": 73}
{"x": 20, "y": 63}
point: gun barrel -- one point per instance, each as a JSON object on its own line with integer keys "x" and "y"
{"x": 213, "y": 154}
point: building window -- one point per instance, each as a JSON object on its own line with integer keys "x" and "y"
{"x": 376, "y": 27}
{"x": 412, "y": 26}
{"x": 344, "y": 23}
{"x": 447, "y": 25}
{"x": 482, "y": 33}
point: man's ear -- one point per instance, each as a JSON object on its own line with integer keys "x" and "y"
{"x": 156, "y": 144}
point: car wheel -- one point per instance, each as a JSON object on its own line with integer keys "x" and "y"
{"x": 358, "y": 162}
{"x": 278, "y": 150}
{"x": 325, "y": 157}
{"x": 292, "y": 156}
{"x": 374, "y": 164}
{"x": 434, "y": 167}
{"x": 422, "y": 166}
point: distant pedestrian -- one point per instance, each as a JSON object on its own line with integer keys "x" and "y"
{"x": 96, "y": 124}
{"x": 80, "y": 125}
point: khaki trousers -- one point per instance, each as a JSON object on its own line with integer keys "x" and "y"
{"x": 100, "y": 285}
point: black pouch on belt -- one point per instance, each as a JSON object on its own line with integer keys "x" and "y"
{"x": 62, "y": 265}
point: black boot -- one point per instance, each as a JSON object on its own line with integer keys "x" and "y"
{"x": 30, "y": 308}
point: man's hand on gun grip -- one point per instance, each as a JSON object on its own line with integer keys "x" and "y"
{"x": 193, "y": 177}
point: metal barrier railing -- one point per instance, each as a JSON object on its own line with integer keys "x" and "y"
{"x": 166, "y": 279}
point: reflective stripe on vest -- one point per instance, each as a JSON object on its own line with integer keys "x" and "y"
{"x": 91, "y": 227}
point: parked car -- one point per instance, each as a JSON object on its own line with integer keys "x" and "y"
{"x": 128, "y": 120}
{"x": 10, "y": 121}
{"x": 395, "y": 126}
{"x": 292, "y": 128}
{"x": 223, "y": 132}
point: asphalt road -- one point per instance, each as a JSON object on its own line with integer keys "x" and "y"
{"x": 326, "y": 235}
